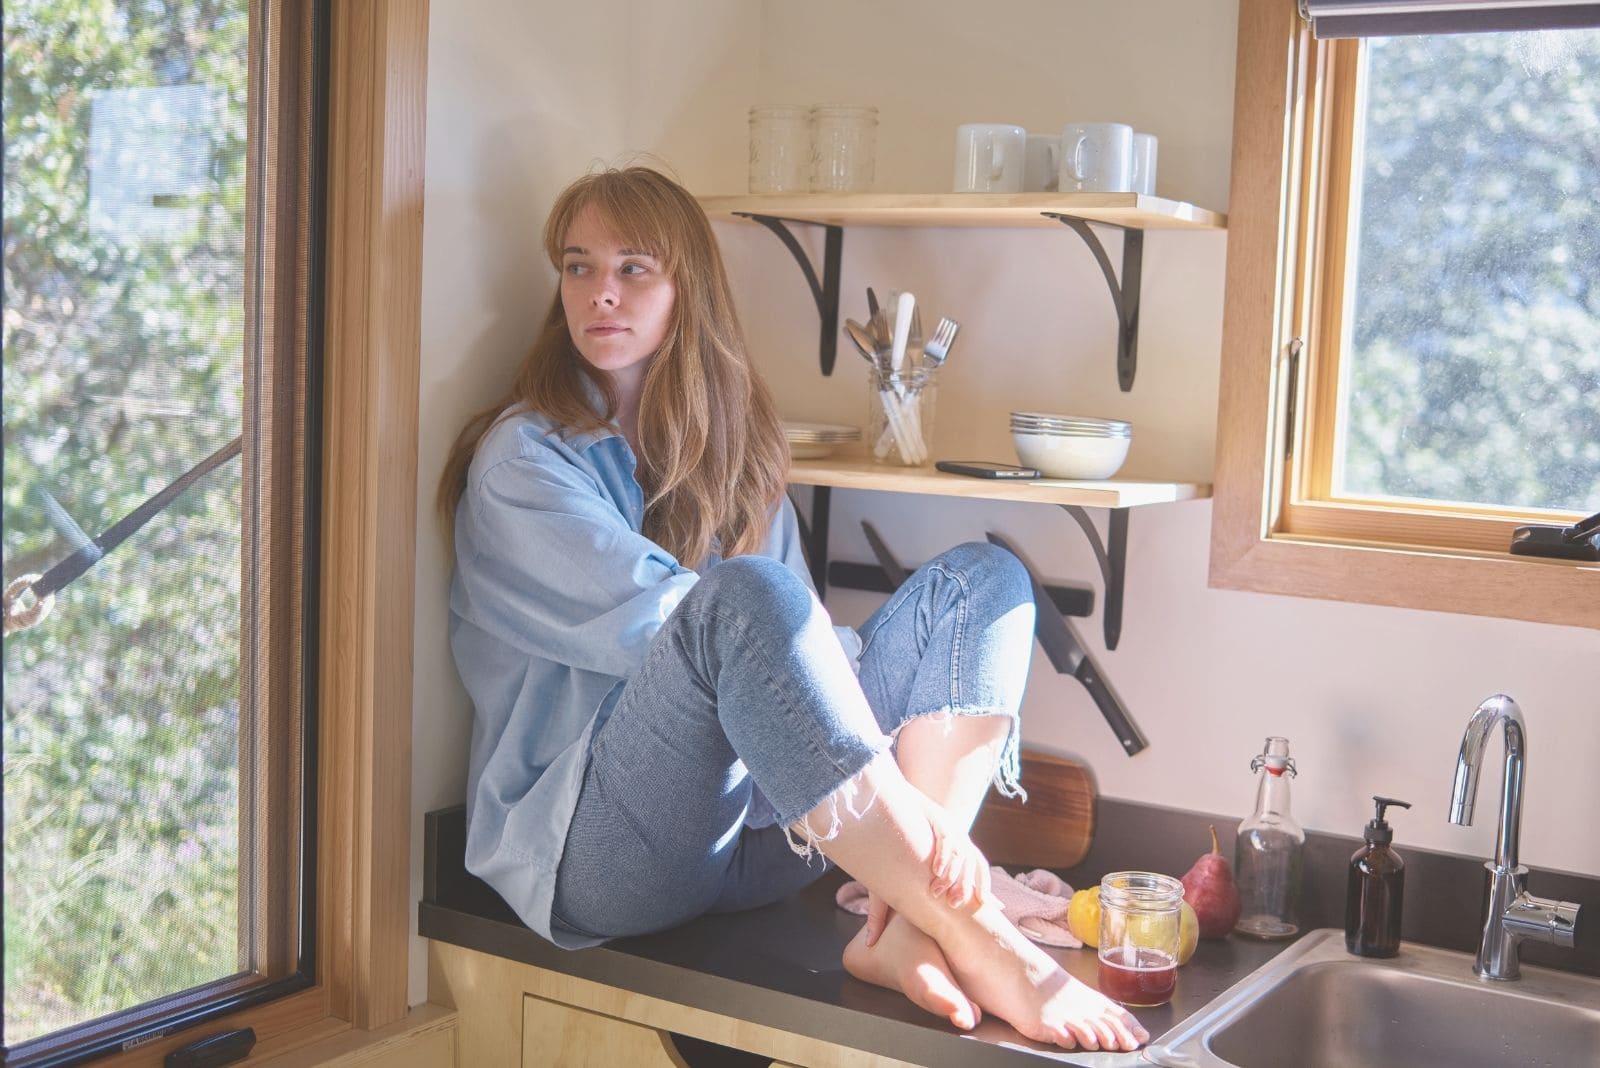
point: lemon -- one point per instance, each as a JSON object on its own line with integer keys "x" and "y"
{"x": 1083, "y": 916}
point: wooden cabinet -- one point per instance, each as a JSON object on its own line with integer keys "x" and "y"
{"x": 515, "y": 1015}
{"x": 560, "y": 1036}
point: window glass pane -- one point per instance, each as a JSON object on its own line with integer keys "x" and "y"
{"x": 125, "y": 132}
{"x": 1473, "y": 371}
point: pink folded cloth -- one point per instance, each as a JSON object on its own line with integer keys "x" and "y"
{"x": 1036, "y": 901}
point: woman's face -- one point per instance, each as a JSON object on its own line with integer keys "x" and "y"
{"x": 618, "y": 301}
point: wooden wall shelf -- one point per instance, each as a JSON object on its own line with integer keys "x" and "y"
{"x": 1112, "y": 493}
{"x": 1132, "y": 213}
{"x": 1117, "y": 496}
{"x": 1131, "y": 210}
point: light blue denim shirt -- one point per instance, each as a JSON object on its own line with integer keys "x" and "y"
{"x": 555, "y": 598}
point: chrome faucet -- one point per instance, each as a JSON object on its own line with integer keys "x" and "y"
{"x": 1511, "y": 914}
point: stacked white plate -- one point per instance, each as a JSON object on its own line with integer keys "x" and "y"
{"x": 812, "y": 441}
{"x": 1070, "y": 446}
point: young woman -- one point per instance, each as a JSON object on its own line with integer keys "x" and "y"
{"x": 666, "y": 722}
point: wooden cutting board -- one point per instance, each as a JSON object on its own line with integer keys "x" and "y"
{"x": 1053, "y": 830}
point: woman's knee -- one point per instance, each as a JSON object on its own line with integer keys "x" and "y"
{"x": 757, "y": 586}
{"x": 990, "y": 568}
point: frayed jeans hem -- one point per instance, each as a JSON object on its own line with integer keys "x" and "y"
{"x": 802, "y": 839}
{"x": 1007, "y": 779}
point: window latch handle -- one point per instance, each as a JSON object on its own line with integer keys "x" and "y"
{"x": 1583, "y": 529}
{"x": 1580, "y": 541}
{"x": 225, "y": 1047}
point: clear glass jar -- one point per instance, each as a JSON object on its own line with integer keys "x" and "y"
{"x": 845, "y": 138}
{"x": 1267, "y": 852}
{"x": 900, "y": 410}
{"x": 1139, "y": 925}
{"x": 780, "y": 148}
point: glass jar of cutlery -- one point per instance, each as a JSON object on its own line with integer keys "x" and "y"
{"x": 900, "y": 411}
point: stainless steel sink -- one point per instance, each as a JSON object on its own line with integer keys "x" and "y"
{"x": 1316, "y": 1006}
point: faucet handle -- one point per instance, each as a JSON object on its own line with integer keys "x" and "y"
{"x": 1543, "y": 920}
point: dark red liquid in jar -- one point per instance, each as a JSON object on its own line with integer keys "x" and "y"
{"x": 1148, "y": 978}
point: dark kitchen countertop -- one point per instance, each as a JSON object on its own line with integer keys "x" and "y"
{"x": 780, "y": 966}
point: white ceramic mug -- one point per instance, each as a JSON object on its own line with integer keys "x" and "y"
{"x": 1096, "y": 157}
{"x": 1039, "y": 174}
{"x": 1144, "y": 164}
{"x": 990, "y": 157}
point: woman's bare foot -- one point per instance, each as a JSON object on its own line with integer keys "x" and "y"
{"x": 907, "y": 960}
{"x": 1008, "y": 975}
{"x": 978, "y": 953}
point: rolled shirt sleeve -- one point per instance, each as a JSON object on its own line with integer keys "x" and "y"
{"x": 556, "y": 572}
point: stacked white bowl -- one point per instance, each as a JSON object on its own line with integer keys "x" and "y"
{"x": 1070, "y": 446}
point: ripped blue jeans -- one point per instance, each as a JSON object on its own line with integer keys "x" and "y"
{"x": 746, "y": 698}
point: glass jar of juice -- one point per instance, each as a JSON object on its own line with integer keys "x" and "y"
{"x": 1139, "y": 919}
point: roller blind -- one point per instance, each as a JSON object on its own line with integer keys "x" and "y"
{"x": 1391, "y": 18}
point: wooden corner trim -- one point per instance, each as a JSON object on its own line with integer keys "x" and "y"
{"x": 376, "y": 141}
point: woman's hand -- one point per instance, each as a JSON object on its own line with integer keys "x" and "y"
{"x": 960, "y": 876}
{"x": 960, "y": 870}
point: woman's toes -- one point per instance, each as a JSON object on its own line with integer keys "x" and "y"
{"x": 1063, "y": 1035}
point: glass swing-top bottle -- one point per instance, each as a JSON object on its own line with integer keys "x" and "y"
{"x": 1268, "y": 851}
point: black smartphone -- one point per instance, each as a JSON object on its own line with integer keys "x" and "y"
{"x": 986, "y": 469}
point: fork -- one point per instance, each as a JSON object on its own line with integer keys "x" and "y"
{"x": 937, "y": 347}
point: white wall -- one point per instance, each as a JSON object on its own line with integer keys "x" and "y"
{"x": 523, "y": 97}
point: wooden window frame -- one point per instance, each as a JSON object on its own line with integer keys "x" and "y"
{"x": 279, "y": 305}
{"x": 1411, "y": 557}
{"x": 370, "y": 365}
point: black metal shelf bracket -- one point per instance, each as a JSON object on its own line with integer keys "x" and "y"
{"x": 826, "y": 291}
{"x": 1074, "y": 601}
{"x": 1124, "y": 293}
{"x": 890, "y": 574}
{"x": 1112, "y": 555}
{"x": 886, "y": 575}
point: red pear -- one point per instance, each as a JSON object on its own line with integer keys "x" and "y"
{"x": 1209, "y": 890}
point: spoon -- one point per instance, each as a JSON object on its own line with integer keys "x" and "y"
{"x": 863, "y": 341}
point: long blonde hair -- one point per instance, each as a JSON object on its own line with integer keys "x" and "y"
{"x": 713, "y": 459}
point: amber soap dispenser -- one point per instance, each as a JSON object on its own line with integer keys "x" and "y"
{"x": 1375, "y": 890}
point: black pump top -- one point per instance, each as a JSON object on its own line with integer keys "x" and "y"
{"x": 1378, "y": 832}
